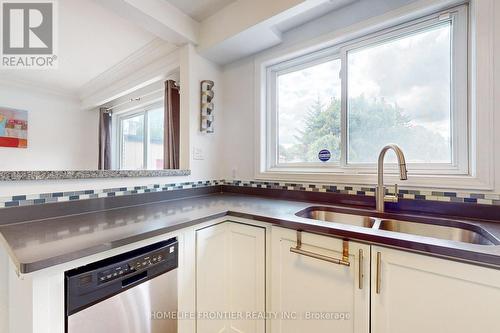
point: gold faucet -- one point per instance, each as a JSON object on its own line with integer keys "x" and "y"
{"x": 380, "y": 197}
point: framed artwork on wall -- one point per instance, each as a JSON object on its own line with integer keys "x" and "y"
{"x": 13, "y": 128}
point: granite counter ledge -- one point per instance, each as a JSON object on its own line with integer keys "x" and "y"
{"x": 88, "y": 174}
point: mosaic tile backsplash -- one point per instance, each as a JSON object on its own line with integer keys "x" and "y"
{"x": 37, "y": 199}
{"x": 479, "y": 198}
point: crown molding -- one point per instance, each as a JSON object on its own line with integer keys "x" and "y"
{"x": 157, "y": 56}
{"x": 154, "y": 59}
{"x": 145, "y": 76}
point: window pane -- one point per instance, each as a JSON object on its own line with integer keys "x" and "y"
{"x": 155, "y": 128}
{"x": 309, "y": 113}
{"x": 133, "y": 143}
{"x": 399, "y": 92}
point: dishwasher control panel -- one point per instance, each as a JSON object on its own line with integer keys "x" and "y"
{"x": 135, "y": 265}
{"x": 86, "y": 284}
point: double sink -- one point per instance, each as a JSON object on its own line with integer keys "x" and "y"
{"x": 442, "y": 229}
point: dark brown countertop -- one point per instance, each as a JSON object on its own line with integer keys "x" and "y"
{"x": 39, "y": 244}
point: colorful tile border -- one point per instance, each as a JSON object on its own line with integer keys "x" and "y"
{"x": 444, "y": 196}
{"x": 39, "y": 199}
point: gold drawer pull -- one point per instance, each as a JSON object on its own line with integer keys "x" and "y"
{"x": 361, "y": 269}
{"x": 379, "y": 272}
{"x": 345, "y": 252}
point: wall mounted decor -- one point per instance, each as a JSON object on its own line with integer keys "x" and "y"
{"x": 207, "y": 106}
{"x": 13, "y": 128}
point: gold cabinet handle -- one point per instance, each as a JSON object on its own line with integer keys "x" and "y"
{"x": 320, "y": 257}
{"x": 361, "y": 269}
{"x": 379, "y": 272}
{"x": 345, "y": 252}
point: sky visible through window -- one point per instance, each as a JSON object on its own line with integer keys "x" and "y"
{"x": 398, "y": 91}
{"x": 299, "y": 93}
{"x": 412, "y": 75}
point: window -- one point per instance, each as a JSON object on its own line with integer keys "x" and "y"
{"x": 308, "y": 108}
{"x": 141, "y": 139}
{"x": 406, "y": 85}
{"x": 132, "y": 142}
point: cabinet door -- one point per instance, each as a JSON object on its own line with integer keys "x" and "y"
{"x": 419, "y": 294}
{"x": 311, "y": 295}
{"x": 211, "y": 265}
{"x": 230, "y": 278}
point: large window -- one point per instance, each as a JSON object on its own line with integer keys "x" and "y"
{"x": 336, "y": 108}
{"x": 141, "y": 139}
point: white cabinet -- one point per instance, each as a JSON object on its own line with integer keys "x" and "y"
{"x": 230, "y": 278}
{"x": 313, "y": 295}
{"x": 4, "y": 291}
{"x": 419, "y": 294}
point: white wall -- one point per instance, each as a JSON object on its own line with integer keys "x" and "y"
{"x": 497, "y": 96}
{"x": 229, "y": 152}
{"x": 60, "y": 135}
{"x": 239, "y": 117}
{"x": 239, "y": 89}
{"x": 239, "y": 79}
{"x": 193, "y": 68}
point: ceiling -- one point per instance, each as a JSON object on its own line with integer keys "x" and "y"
{"x": 106, "y": 40}
{"x": 200, "y": 9}
{"x": 227, "y": 44}
{"x": 95, "y": 37}
{"x": 313, "y": 13}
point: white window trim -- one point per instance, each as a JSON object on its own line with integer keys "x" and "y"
{"x": 459, "y": 164}
{"x": 459, "y": 90}
{"x": 119, "y": 118}
{"x": 480, "y": 87}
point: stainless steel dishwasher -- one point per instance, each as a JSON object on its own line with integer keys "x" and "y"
{"x": 135, "y": 292}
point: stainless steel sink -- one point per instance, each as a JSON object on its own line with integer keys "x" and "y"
{"x": 468, "y": 234}
{"x": 332, "y": 216}
{"x": 435, "y": 231}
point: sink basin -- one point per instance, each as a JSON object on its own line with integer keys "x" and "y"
{"x": 332, "y": 216}
{"x": 470, "y": 234}
{"x": 435, "y": 231}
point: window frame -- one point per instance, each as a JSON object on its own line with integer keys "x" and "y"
{"x": 144, "y": 110}
{"x": 306, "y": 61}
{"x": 460, "y": 124}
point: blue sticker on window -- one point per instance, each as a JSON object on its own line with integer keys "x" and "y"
{"x": 324, "y": 155}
